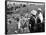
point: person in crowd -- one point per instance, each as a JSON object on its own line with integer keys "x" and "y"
{"x": 32, "y": 20}
{"x": 40, "y": 24}
{"x": 31, "y": 24}
{"x": 40, "y": 15}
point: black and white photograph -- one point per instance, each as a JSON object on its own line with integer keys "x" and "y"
{"x": 23, "y": 17}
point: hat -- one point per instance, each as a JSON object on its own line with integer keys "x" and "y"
{"x": 34, "y": 12}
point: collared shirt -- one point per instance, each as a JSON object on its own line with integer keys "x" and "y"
{"x": 41, "y": 17}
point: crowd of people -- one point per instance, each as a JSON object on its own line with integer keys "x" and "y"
{"x": 30, "y": 22}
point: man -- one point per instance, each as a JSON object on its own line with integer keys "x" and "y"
{"x": 40, "y": 15}
{"x": 39, "y": 20}
{"x": 32, "y": 20}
